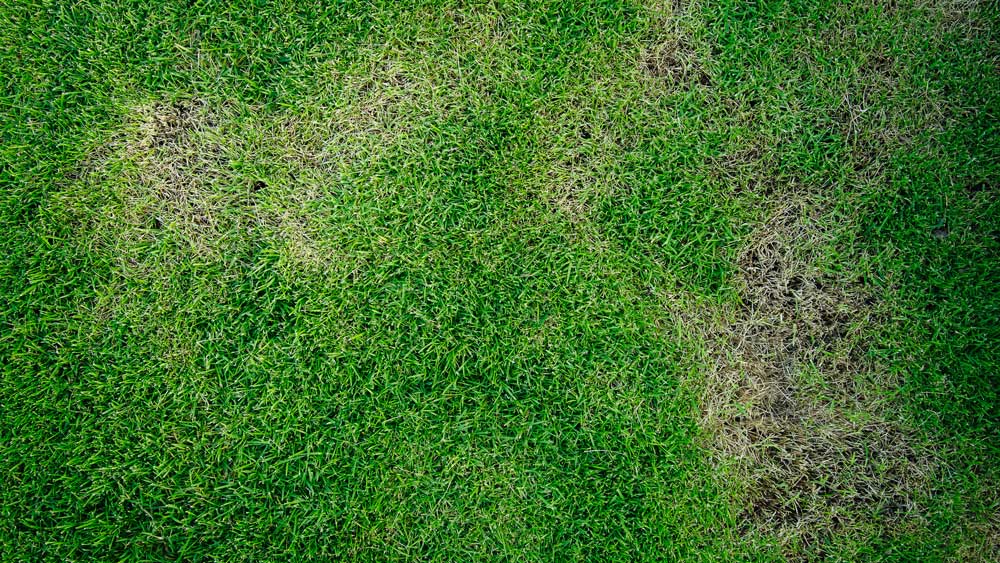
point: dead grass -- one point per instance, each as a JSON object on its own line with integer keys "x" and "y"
{"x": 574, "y": 167}
{"x": 786, "y": 406}
{"x": 200, "y": 179}
{"x": 160, "y": 124}
{"x": 174, "y": 166}
{"x": 670, "y": 56}
{"x": 674, "y": 60}
{"x": 570, "y": 177}
{"x": 203, "y": 180}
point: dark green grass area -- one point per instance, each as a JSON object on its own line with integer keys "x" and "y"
{"x": 433, "y": 282}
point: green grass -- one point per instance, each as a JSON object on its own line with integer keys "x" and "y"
{"x": 515, "y": 281}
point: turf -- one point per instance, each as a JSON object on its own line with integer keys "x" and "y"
{"x": 514, "y": 281}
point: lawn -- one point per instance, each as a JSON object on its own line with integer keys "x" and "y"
{"x": 676, "y": 280}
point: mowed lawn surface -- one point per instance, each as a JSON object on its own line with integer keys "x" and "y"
{"x": 499, "y": 281}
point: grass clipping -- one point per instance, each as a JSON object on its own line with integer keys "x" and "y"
{"x": 788, "y": 404}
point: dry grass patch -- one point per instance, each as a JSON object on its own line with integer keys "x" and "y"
{"x": 670, "y": 55}
{"x": 568, "y": 183}
{"x": 160, "y": 124}
{"x": 982, "y": 541}
{"x": 186, "y": 181}
{"x": 191, "y": 180}
{"x": 576, "y": 165}
{"x": 788, "y": 406}
{"x": 675, "y": 61}
{"x": 169, "y": 170}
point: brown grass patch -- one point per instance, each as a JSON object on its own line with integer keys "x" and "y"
{"x": 787, "y": 408}
{"x": 670, "y": 55}
{"x": 566, "y": 190}
{"x": 172, "y": 168}
{"x": 675, "y": 61}
{"x": 574, "y": 168}
{"x": 189, "y": 180}
{"x": 162, "y": 124}
{"x": 173, "y": 191}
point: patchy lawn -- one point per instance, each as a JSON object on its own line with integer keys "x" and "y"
{"x": 515, "y": 281}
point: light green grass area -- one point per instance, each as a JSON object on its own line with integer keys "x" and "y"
{"x": 500, "y": 281}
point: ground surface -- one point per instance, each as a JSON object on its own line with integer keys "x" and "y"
{"x": 513, "y": 281}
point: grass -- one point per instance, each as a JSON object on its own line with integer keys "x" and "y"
{"x": 610, "y": 281}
